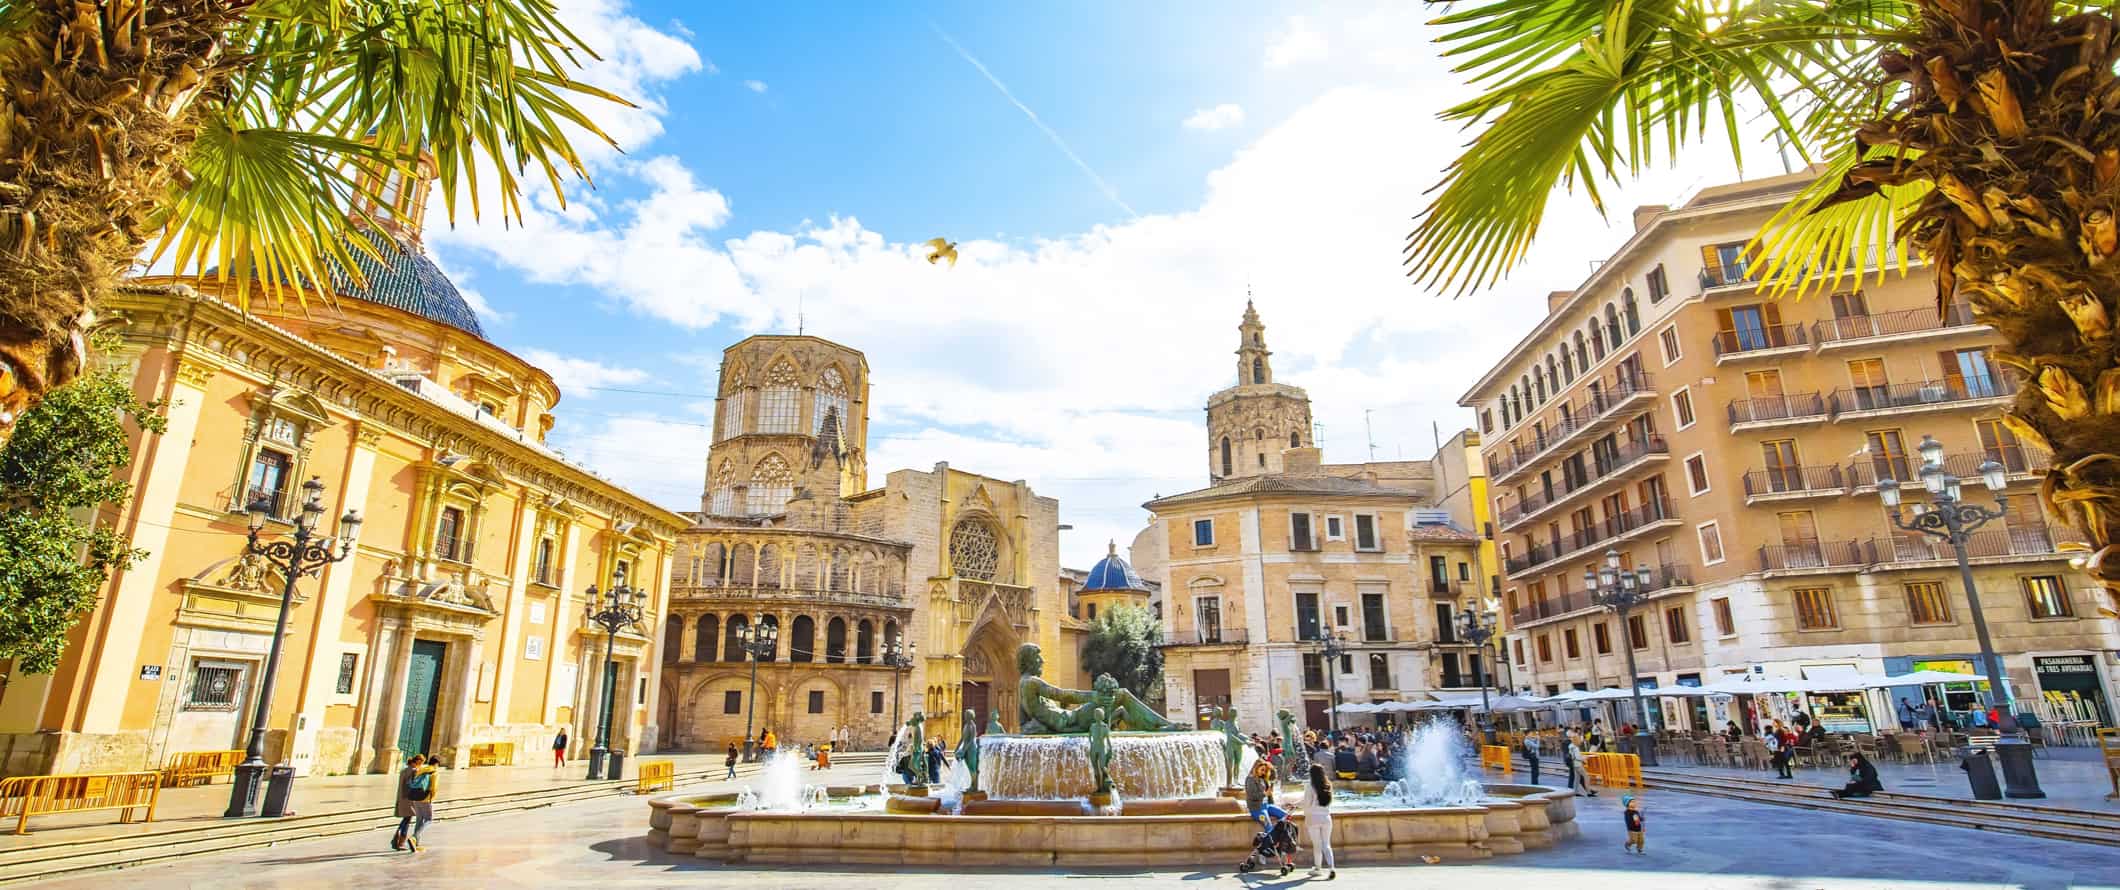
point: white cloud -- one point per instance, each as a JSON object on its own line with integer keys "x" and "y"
{"x": 1296, "y": 43}
{"x": 659, "y": 458}
{"x": 756, "y": 86}
{"x": 1223, "y": 116}
{"x": 579, "y": 377}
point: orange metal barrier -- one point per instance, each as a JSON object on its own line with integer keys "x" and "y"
{"x": 493, "y": 754}
{"x": 656, "y": 775}
{"x": 199, "y": 767}
{"x": 1495, "y": 757}
{"x": 26, "y": 796}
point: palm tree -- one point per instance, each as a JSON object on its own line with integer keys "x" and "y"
{"x": 230, "y": 133}
{"x": 1982, "y": 135}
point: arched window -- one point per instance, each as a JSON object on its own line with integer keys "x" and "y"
{"x": 1553, "y": 377}
{"x": 803, "y": 639}
{"x": 1597, "y": 340}
{"x": 724, "y": 489}
{"x": 703, "y": 644}
{"x": 1295, "y": 440}
{"x": 673, "y": 639}
{"x": 890, "y": 634}
{"x": 841, "y": 562}
{"x": 1582, "y": 355}
{"x": 768, "y": 565}
{"x": 1612, "y": 334}
{"x": 772, "y": 621}
{"x": 1258, "y": 370}
{"x": 1258, "y": 434}
{"x": 1258, "y": 339}
{"x": 831, "y": 399}
{"x": 1226, "y": 466}
{"x": 772, "y": 483}
{"x": 1567, "y": 365}
{"x": 714, "y": 564}
{"x": 974, "y": 551}
{"x": 779, "y": 403}
{"x": 865, "y": 642}
{"x": 733, "y": 402}
{"x": 742, "y": 571}
{"x": 732, "y": 638}
{"x": 1634, "y": 316}
{"x": 806, "y": 568}
{"x": 835, "y": 641}
{"x": 1538, "y": 385}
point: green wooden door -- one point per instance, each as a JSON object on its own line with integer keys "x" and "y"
{"x": 422, "y": 687}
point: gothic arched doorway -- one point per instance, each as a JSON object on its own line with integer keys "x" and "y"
{"x": 989, "y": 684}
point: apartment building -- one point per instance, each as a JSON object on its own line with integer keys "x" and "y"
{"x": 1668, "y": 411}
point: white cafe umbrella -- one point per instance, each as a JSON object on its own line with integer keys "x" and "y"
{"x": 1922, "y": 678}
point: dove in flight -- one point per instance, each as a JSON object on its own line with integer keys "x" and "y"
{"x": 941, "y": 249}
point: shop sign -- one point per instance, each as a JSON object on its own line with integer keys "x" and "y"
{"x": 2064, "y": 664}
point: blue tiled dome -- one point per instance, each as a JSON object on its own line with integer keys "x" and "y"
{"x": 1112, "y": 573}
{"x": 406, "y": 279}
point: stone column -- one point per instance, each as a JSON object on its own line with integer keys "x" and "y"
{"x": 456, "y": 736}
{"x": 563, "y": 614}
{"x": 320, "y": 673}
{"x": 522, "y": 541}
{"x": 383, "y": 707}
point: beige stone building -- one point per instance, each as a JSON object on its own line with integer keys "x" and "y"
{"x": 458, "y": 619}
{"x": 961, "y": 568}
{"x": 1667, "y": 410}
{"x": 1282, "y": 551}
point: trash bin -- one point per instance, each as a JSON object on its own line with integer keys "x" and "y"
{"x": 278, "y": 788}
{"x": 615, "y": 764}
{"x": 1980, "y": 773}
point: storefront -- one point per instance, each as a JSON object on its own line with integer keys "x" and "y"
{"x": 1696, "y": 706}
{"x": 1841, "y": 711}
{"x": 2070, "y": 689}
{"x": 1957, "y": 697}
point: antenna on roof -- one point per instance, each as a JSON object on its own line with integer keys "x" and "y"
{"x": 798, "y": 311}
{"x": 1369, "y": 432}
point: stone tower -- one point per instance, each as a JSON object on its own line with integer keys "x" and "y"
{"x": 792, "y": 418}
{"x": 1251, "y": 423}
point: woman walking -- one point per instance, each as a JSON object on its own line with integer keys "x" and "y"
{"x": 730, "y": 762}
{"x": 1317, "y": 819}
{"x": 415, "y": 802}
{"x": 559, "y": 749}
{"x": 1576, "y": 770}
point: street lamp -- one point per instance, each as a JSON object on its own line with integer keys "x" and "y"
{"x": 759, "y": 641}
{"x": 613, "y": 609}
{"x": 1955, "y": 521}
{"x": 1477, "y": 626}
{"x": 1620, "y": 591}
{"x": 1334, "y": 646}
{"x": 898, "y": 656}
{"x": 304, "y": 554}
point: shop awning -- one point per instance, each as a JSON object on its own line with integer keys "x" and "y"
{"x": 1922, "y": 678}
{"x": 1834, "y": 678}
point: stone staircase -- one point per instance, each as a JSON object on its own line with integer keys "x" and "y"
{"x": 2054, "y": 823}
{"x": 54, "y": 852}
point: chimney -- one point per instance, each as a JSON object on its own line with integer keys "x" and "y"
{"x": 1647, "y": 212}
{"x": 1555, "y": 299}
{"x": 1301, "y": 460}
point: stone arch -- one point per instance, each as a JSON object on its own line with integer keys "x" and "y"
{"x": 990, "y": 660}
{"x": 1597, "y": 340}
{"x": 806, "y": 727}
{"x": 770, "y": 620}
{"x": 1613, "y": 336}
{"x": 1258, "y": 370}
{"x": 840, "y": 560}
{"x": 714, "y": 559}
{"x": 772, "y": 483}
{"x": 673, "y": 639}
{"x": 742, "y": 566}
{"x": 865, "y": 642}
{"x": 704, "y": 644}
{"x": 732, "y": 638}
{"x": 708, "y": 724}
{"x": 890, "y": 633}
{"x": 835, "y": 641}
{"x": 1227, "y": 465}
{"x": 802, "y": 639}
{"x": 769, "y": 565}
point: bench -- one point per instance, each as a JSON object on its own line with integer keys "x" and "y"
{"x": 656, "y": 775}
{"x": 199, "y": 767}
{"x": 26, "y": 796}
{"x": 493, "y": 754}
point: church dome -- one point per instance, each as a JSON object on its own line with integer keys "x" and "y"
{"x": 406, "y": 279}
{"x": 1112, "y": 573}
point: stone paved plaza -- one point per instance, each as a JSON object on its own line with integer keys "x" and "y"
{"x": 1694, "y": 842}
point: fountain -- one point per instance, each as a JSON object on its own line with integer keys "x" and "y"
{"x": 1095, "y": 779}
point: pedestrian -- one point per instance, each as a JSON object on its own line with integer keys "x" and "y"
{"x": 1862, "y": 778}
{"x": 730, "y": 763}
{"x": 1577, "y": 777}
{"x": 559, "y": 749}
{"x": 1258, "y": 795}
{"x": 1631, "y": 810}
{"x": 415, "y": 802}
{"x": 1531, "y": 745}
{"x": 824, "y": 757}
{"x": 1907, "y": 716}
{"x": 1317, "y": 819}
{"x": 767, "y": 742}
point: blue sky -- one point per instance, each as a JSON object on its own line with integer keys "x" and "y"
{"x": 786, "y": 156}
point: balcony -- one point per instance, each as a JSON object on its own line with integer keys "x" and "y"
{"x": 2020, "y": 464}
{"x": 1731, "y": 276}
{"x": 1601, "y": 407}
{"x": 2038, "y": 543}
{"x": 1860, "y": 402}
{"x": 1794, "y": 483}
{"x": 1813, "y": 558}
{"x": 1449, "y": 589}
{"x": 1777, "y": 411}
{"x": 716, "y": 592}
{"x": 1208, "y": 636}
{"x": 1905, "y": 325}
{"x": 1761, "y": 342}
{"x": 1606, "y": 468}
{"x": 1667, "y": 579}
{"x": 1614, "y": 529}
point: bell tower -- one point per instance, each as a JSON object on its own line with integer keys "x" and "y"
{"x": 1250, "y": 424}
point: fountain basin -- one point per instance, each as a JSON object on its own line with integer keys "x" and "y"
{"x": 1145, "y": 766}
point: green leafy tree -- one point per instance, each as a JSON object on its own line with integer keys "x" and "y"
{"x": 1123, "y": 642}
{"x": 63, "y": 466}
{"x": 233, "y": 133}
{"x": 1980, "y": 135}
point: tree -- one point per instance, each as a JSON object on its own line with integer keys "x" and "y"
{"x": 1124, "y": 642}
{"x": 62, "y": 466}
{"x": 231, "y": 133}
{"x": 1982, "y": 135}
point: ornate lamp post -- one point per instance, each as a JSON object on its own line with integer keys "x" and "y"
{"x": 1620, "y": 591}
{"x": 1954, "y": 521}
{"x": 304, "y": 554}
{"x": 613, "y": 609}
{"x": 758, "y": 640}
{"x": 1333, "y": 646}
{"x": 1477, "y": 626}
{"x": 898, "y": 656}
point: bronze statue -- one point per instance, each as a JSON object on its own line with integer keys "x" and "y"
{"x": 993, "y": 724}
{"x": 1100, "y": 751}
{"x": 1233, "y": 745}
{"x": 1044, "y": 705}
{"x": 916, "y": 736}
{"x": 968, "y": 749}
{"x": 1292, "y": 753}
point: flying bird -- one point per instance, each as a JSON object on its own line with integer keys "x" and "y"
{"x": 941, "y": 249}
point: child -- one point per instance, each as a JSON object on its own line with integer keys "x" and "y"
{"x": 1633, "y": 814}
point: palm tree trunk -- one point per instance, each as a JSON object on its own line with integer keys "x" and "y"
{"x": 2014, "y": 116}
{"x": 95, "y": 116}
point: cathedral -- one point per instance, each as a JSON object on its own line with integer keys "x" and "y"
{"x": 865, "y": 604}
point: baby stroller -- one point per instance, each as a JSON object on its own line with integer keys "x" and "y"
{"x": 1270, "y": 844}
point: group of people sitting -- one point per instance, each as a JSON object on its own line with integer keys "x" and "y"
{"x": 1367, "y": 755}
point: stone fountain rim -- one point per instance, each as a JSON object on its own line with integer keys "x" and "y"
{"x": 678, "y": 804}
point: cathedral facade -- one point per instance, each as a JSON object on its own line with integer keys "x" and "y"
{"x": 951, "y": 569}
